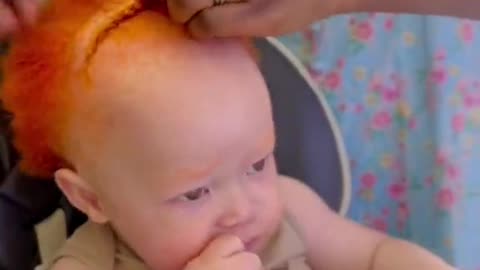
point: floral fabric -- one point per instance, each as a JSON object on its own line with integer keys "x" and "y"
{"x": 406, "y": 92}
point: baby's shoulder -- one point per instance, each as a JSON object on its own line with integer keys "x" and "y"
{"x": 304, "y": 207}
{"x": 92, "y": 246}
{"x": 297, "y": 194}
{"x": 67, "y": 263}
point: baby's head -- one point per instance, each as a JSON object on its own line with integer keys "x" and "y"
{"x": 168, "y": 139}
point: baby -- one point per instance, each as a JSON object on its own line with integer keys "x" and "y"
{"x": 165, "y": 143}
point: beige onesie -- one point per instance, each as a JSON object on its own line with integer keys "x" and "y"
{"x": 97, "y": 247}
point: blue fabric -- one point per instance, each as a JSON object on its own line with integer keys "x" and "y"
{"x": 406, "y": 92}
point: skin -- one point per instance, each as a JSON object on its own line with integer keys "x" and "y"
{"x": 278, "y": 17}
{"x": 257, "y": 17}
{"x": 20, "y": 12}
{"x": 160, "y": 139}
{"x": 181, "y": 139}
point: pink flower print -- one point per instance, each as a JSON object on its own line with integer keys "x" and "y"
{"x": 386, "y": 212}
{"x": 353, "y": 164}
{"x": 381, "y": 120}
{"x": 438, "y": 75}
{"x": 363, "y": 31}
{"x": 359, "y": 108}
{"x": 341, "y": 63}
{"x": 352, "y": 21}
{"x": 458, "y": 123}
{"x": 389, "y": 23}
{"x": 466, "y": 32}
{"x": 445, "y": 199}
{"x": 471, "y": 101}
{"x": 391, "y": 94}
{"x": 376, "y": 84}
{"x": 316, "y": 74}
{"x": 399, "y": 83}
{"x": 379, "y": 224}
{"x": 342, "y": 107}
{"x": 476, "y": 84}
{"x": 403, "y": 212}
{"x": 397, "y": 191}
{"x": 333, "y": 80}
{"x": 462, "y": 87}
{"x": 396, "y": 165}
{"x": 429, "y": 181}
{"x": 453, "y": 172}
{"x": 310, "y": 47}
{"x": 412, "y": 123}
{"x": 440, "y": 55}
{"x": 368, "y": 180}
{"x": 441, "y": 158}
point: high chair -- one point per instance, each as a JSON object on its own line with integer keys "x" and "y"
{"x": 35, "y": 220}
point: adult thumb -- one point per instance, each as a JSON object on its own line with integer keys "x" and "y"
{"x": 233, "y": 20}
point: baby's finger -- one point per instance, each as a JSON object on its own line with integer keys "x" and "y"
{"x": 8, "y": 20}
{"x": 223, "y": 246}
{"x": 246, "y": 261}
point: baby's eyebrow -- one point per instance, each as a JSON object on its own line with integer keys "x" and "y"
{"x": 197, "y": 173}
{"x": 184, "y": 183}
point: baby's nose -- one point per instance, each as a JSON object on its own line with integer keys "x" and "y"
{"x": 237, "y": 211}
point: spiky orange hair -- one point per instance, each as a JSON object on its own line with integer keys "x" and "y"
{"x": 36, "y": 71}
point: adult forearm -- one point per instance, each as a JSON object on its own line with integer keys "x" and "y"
{"x": 458, "y": 8}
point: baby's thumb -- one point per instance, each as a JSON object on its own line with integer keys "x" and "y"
{"x": 223, "y": 246}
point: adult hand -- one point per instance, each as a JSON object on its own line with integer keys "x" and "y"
{"x": 15, "y": 13}
{"x": 221, "y": 18}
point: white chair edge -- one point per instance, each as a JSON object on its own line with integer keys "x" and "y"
{"x": 342, "y": 153}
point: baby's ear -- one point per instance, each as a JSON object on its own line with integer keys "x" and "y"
{"x": 80, "y": 194}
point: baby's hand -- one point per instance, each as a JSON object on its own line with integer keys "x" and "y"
{"x": 225, "y": 252}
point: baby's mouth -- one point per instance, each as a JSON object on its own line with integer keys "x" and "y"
{"x": 252, "y": 244}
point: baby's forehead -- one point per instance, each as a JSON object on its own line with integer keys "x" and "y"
{"x": 134, "y": 46}
{"x": 149, "y": 71}
{"x": 149, "y": 51}
{"x": 160, "y": 97}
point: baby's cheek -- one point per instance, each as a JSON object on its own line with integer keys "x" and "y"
{"x": 175, "y": 247}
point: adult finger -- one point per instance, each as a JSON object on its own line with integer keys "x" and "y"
{"x": 238, "y": 19}
{"x": 8, "y": 20}
{"x": 27, "y": 10}
{"x": 181, "y": 11}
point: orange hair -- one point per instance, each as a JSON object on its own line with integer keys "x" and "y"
{"x": 41, "y": 59}
{"x": 40, "y": 63}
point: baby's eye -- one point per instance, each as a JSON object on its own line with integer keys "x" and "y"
{"x": 196, "y": 194}
{"x": 257, "y": 167}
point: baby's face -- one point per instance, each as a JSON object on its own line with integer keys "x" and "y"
{"x": 180, "y": 150}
